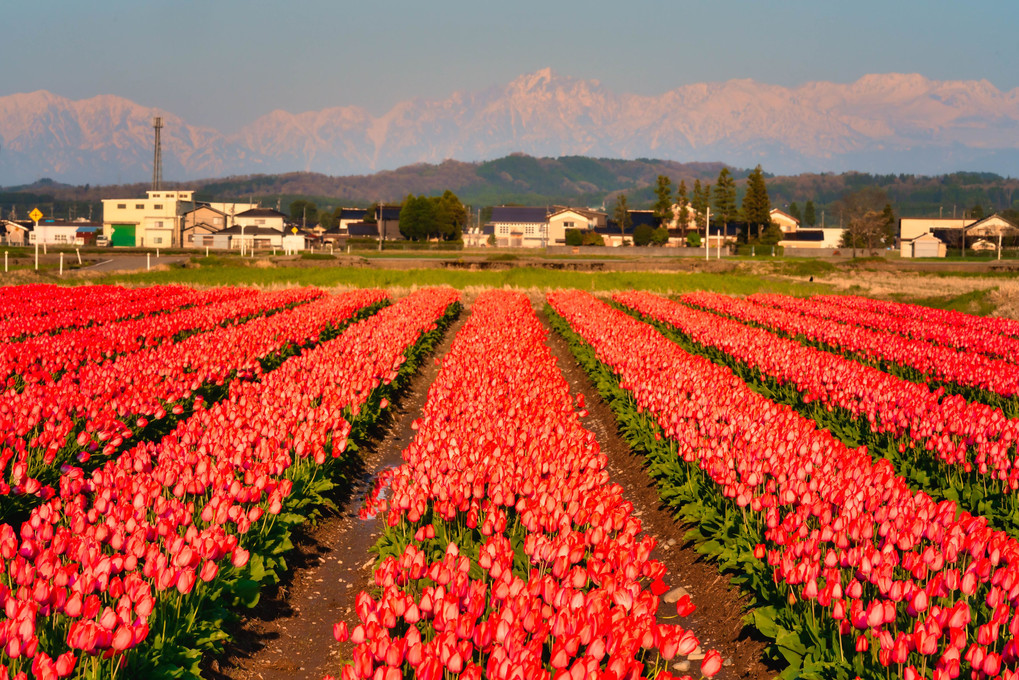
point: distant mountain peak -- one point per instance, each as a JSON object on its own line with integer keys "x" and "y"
{"x": 887, "y": 122}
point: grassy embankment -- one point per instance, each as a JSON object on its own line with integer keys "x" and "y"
{"x": 519, "y": 277}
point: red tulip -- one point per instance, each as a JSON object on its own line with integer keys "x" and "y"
{"x": 712, "y": 663}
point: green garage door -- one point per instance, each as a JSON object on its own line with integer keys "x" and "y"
{"x": 123, "y": 235}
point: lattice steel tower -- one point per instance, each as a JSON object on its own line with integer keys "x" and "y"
{"x": 157, "y": 161}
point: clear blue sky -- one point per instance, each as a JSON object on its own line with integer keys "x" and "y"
{"x": 223, "y": 63}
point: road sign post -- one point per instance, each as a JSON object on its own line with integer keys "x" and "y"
{"x": 35, "y": 216}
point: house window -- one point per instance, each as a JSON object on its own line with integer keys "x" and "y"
{"x": 191, "y": 238}
{"x": 568, "y": 225}
{"x": 122, "y": 206}
{"x": 530, "y": 229}
{"x": 157, "y": 206}
{"x": 259, "y": 222}
{"x": 158, "y": 224}
{"x": 503, "y": 229}
{"x": 60, "y": 238}
{"x": 208, "y": 241}
{"x": 157, "y": 240}
{"x": 139, "y": 206}
{"x": 217, "y": 220}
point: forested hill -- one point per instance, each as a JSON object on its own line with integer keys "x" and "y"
{"x": 572, "y": 180}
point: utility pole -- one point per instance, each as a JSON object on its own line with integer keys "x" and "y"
{"x": 707, "y": 235}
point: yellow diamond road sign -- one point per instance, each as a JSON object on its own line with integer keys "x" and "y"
{"x": 294, "y": 229}
{"x": 36, "y": 214}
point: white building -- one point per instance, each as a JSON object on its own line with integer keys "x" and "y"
{"x": 151, "y": 222}
{"x": 261, "y": 217}
{"x": 517, "y": 226}
{"x": 56, "y": 232}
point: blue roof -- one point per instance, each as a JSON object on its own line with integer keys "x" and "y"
{"x": 362, "y": 229}
{"x": 804, "y": 235}
{"x": 519, "y": 214}
{"x": 390, "y": 212}
{"x": 352, "y": 213}
{"x": 639, "y": 217}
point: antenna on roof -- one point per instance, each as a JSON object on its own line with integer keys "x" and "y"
{"x": 157, "y": 160}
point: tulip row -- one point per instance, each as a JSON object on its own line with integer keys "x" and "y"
{"x": 128, "y": 569}
{"x": 42, "y": 299}
{"x": 84, "y": 306}
{"x": 970, "y": 337}
{"x": 862, "y": 574}
{"x": 975, "y": 376}
{"x": 508, "y": 552}
{"x": 948, "y": 317}
{"x": 943, "y": 444}
{"x": 98, "y": 407}
{"x": 45, "y": 358}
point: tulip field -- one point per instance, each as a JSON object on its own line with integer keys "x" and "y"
{"x": 849, "y": 464}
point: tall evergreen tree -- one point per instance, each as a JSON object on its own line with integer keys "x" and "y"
{"x": 621, "y": 213}
{"x": 699, "y": 203}
{"x": 451, "y": 216}
{"x": 725, "y": 196}
{"x": 794, "y": 211}
{"x": 888, "y": 226}
{"x": 756, "y": 204}
{"x": 662, "y": 208}
{"x": 412, "y": 218}
{"x": 683, "y": 213}
{"x": 808, "y": 214}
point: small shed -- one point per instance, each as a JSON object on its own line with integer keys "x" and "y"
{"x": 924, "y": 245}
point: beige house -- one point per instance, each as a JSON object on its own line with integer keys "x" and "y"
{"x": 992, "y": 229}
{"x": 675, "y": 226}
{"x": 966, "y": 231}
{"x": 573, "y": 218}
{"x": 150, "y": 222}
{"x": 201, "y": 222}
{"x": 786, "y": 222}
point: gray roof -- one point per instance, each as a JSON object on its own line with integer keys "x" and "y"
{"x": 261, "y": 212}
{"x": 353, "y": 213}
{"x": 256, "y": 231}
{"x": 519, "y": 214}
{"x": 362, "y": 229}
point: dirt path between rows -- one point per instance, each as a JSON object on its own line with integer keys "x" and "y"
{"x": 289, "y": 635}
{"x": 718, "y": 621}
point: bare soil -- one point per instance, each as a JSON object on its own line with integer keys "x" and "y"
{"x": 718, "y": 621}
{"x": 289, "y": 635}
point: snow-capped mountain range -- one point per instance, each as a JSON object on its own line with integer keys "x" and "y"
{"x": 880, "y": 123}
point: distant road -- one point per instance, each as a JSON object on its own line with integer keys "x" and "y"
{"x": 128, "y": 263}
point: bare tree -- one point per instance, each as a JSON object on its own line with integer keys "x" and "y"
{"x": 863, "y": 218}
